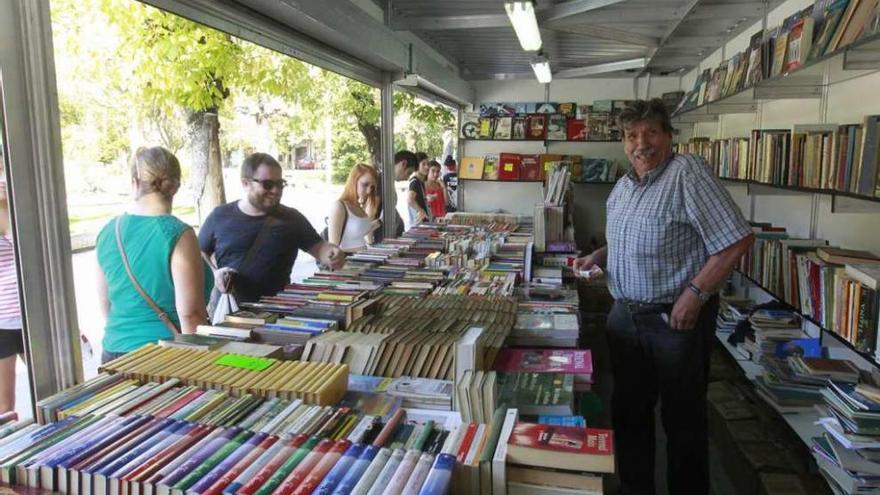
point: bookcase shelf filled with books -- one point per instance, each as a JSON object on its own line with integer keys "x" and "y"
{"x": 787, "y": 115}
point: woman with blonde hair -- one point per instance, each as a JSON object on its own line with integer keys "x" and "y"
{"x": 152, "y": 282}
{"x": 354, "y": 217}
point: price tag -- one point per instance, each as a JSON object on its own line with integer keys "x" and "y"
{"x": 508, "y": 167}
{"x": 246, "y": 362}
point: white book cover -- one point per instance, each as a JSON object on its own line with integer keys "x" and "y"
{"x": 499, "y": 460}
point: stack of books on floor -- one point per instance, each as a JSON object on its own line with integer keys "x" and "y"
{"x": 796, "y": 383}
{"x": 848, "y": 452}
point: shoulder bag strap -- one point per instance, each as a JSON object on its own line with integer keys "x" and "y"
{"x": 163, "y": 316}
{"x": 258, "y": 242}
{"x": 344, "y": 221}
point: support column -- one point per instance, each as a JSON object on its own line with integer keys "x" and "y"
{"x": 387, "y": 155}
{"x": 38, "y": 200}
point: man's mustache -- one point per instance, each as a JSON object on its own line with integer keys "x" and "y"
{"x": 645, "y": 152}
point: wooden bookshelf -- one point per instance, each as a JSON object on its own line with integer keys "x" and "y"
{"x": 805, "y": 82}
{"x": 822, "y": 330}
{"x": 545, "y": 142}
{"x": 537, "y": 181}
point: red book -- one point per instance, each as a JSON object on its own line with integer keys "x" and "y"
{"x": 466, "y": 442}
{"x": 290, "y": 445}
{"x": 322, "y": 468}
{"x": 509, "y": 166}
{"x": 180, "y": 402}
{"x": 299, "y": 473}
{"x": 159, "y": 460}
{"x": 577, "y": 130}
{"x": 531, "y": 167}
{"x": 561, "y": 447}
{"x": 578, "y": 362}
{"x": 244, "y": 463}
{"x": 536, "y": 126}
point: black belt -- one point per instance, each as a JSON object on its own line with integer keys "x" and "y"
{"x": 643, "y": 308}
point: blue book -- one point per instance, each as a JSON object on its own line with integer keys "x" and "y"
{"x": 338, "y": 472}
{"x": 83, "y": 449}
{"x": 151, "y": 432}
{"x": 576, "y": 421}
{"x": 135, "y": 452}
{"x": 200, "y": 456}
{"x": 226, "y": 464}
{"x": 800, "y": 347}
{"x": 357, "y": 470}
{"x": 440, "y": 476}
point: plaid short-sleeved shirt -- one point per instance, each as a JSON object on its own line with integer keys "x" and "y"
{"x": 662, "y": 227}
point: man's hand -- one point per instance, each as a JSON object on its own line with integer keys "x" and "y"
{"x": 583, "y": 263}
{"x": 332, "y": 256}
{"x": 685, "y": 311}
{"x": 223, "y": 279}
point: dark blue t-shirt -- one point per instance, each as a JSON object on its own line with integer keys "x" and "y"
{"x": 228, "y": 234}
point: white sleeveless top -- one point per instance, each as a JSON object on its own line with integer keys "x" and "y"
{"x": 355, "y": 229}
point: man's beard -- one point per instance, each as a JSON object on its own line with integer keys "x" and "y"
{"x": 645, "y": 153}
{"x": 262, "y": 203}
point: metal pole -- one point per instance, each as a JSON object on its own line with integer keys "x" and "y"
{"x": 389, "y": 197}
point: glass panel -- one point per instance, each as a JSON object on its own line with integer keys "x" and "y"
{"x": 15, "y": 392}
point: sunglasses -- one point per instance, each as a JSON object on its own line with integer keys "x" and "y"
{"x": 269, "y": 184}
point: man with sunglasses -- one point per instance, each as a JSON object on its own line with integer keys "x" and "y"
{"x": 258, "y": 238}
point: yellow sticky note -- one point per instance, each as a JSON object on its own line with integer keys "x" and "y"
{"x": 508, "y": 167}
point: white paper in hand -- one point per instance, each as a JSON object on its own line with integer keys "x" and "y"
{"x": 226, "y": 304}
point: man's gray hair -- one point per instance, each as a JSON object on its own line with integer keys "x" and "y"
{"x": 642, "y": 110}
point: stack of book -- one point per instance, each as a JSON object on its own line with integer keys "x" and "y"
{"x": 314, "y": 383}
{"x": 577, "y": 362}
{"x": 545, "y": 330}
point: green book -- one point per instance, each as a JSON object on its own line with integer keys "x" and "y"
{"x": 214, "y": 459}
{"x": 537, "y": 393}
{"x": 288, "y": 466}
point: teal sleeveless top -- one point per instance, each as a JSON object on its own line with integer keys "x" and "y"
{"x": 148, "y": 242}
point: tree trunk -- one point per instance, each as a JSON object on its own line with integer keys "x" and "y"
{"x": 207, "y": 171}
{"x": 373, "y": 138}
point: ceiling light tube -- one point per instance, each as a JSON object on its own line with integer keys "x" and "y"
{"x": 541, "y": 66}
{"x": 522, "y": 17}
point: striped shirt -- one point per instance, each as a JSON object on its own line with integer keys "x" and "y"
{"x": 10, "y": 312}
{"x": 662, "y": 227}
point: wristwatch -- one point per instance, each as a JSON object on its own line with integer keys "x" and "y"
{"x": 704, "y": 296}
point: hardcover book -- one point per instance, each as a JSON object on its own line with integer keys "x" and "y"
{"x": 578, "y": 362}
{"x": 510, "y": 165}
{"x": 536, "y": 126}
{"x": 568, "y": 109}
{"x": 486, "y": 128}
{"x": 503, "y": 127}
{"x": 531, "y": 167}
{"x": 470, "y": 125}
{"x": 547, "y": 108}
{"x": 490, "y": 167}
{"x": 519, "y": 128}
{"x": 557, "y": 128}
{"x": 577, "y": 130}
{"x": 471, "y": 168}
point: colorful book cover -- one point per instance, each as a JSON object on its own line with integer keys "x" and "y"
{"x": 335, "y": 476}
{"x": 323, "y": 467}
{"x": 419, "y": 474}
{"x": 302, "y": 470}
{"x": 439, "y": 477}
{"x": 518, "y": 130}
{"x": 573, "y": 421}
{"x": 577, "y": 130}
{"x": 575, "y": 361}
{"x": 257, "y": 464}
{"x": 368, "y": 478}
{"x": 402, "y": 473}
{"x": 536, "y": 127}
{"x": 557, "y": 127}
{"x": 199, "y": 457}
{"x": 245, "y": 462}
{"x": 568, "y": 109}
{"x": 547, "y": 108}
{"x": 595, "y": 170}
{"x": 509, "y": 166}
{"x": 490, "y": 167}
{"x": 471, "y": 168}
{"x": 264, "y": 485}
{"x": 486, "y": 128}
{"x": 530, "y": 167}
{"x": 562, "y": 439}
{"x": 353, "y": 475}
{"x": 503, "y": 128}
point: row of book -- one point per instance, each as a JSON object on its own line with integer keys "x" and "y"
{"x": 835, "y": 287}
{"x": 838, "y": 158}
{"x": 519, "y": 167}
{"x": 822, "y": 28}
{"x": 171, "y": 441}
{"x": 546, "y": 121}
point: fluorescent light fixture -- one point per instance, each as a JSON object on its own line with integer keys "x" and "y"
{"x": 541, "y": 66}
{"x": 522, "y": 16}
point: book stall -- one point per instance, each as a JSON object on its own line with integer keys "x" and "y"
{"x": 428, "y": 364}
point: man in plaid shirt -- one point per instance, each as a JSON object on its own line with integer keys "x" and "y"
{"x": 674, "y": 236}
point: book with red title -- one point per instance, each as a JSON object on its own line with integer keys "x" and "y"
{"x": 578, "y": 362}
{"x": 562, "y": 447}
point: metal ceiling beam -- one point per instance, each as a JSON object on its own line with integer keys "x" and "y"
{"x": 589, "y": 70}
{"x": 449, "y": 22}
{"x": 612, "y": 34}
{"x": 685, "y": 12}
{"x": 733, "y": 11}
{"x": 572, "y": 7}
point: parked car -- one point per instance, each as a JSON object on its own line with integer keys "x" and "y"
{"x": 305, "y": 163}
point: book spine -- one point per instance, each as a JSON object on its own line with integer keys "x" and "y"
{"x": 322, "y": 468}
{"x": 353, "y": 475}
{"x": 201, "y": 470}
{"x": 301, "y": 471}
{"x": 245, "y": 462}
{"x": 387, "y": 472}
{"x": 419, "y": 474}
{"x": 335, "y": 476}
{"x": 440, "y": 476}
{"x": 371, "y": 472}
{"x": 198, "y": 456}
{"x": 236, "y": 454}
{"x": 255, "y": 467}
{"x": 402, "y": 473}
